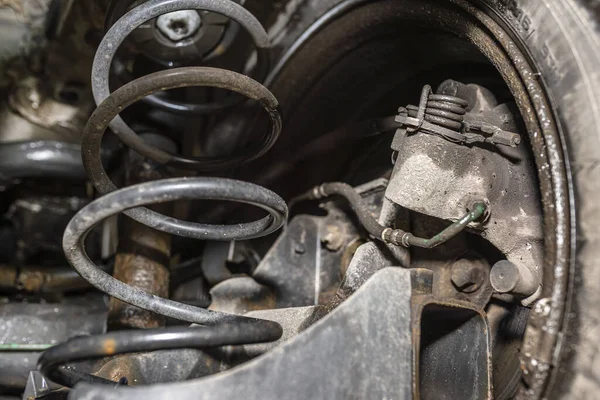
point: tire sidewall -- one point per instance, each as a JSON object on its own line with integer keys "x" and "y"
{"x": 561, "y": 38}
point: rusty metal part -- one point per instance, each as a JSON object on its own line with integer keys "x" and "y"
{"x": 141, "y": 262}
{"x": 468, "y": 275}
{"x": 41, "y": 279}
{"x": 143, "y": 255}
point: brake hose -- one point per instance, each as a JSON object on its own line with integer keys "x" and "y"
{"x": 396, "y": 237}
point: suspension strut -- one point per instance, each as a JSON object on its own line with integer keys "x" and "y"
{"x": 217, "y": 328}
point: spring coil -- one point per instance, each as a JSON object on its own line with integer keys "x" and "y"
{"x": 218, "y": 328}
{"x": 443, "y": 110}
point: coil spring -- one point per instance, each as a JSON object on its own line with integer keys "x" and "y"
{"x": 443, "y": 110}
{"x": 219, "y": 328}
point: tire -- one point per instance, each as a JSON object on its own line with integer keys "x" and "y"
{"x": 563, "y": 40}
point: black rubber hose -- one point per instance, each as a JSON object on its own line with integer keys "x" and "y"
{"x": 358, "y": 206}
{"x": 388, "y": 235}
{"x": 154, "y": 8}
{"x": 52, "y": 361}
{"x": 183, "y": 77}
{"x": 163, "y": 191}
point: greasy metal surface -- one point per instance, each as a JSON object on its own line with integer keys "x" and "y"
{"x": 39, "y": 220}
{"x": 39, "y": 159}
{"x": 368, "y": 340}
{"x": 46, "y": 323}
{"x": 305, "y": 265}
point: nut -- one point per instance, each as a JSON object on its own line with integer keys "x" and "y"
{"x": 179, "y": 25}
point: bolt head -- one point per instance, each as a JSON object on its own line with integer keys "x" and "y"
{"x": 179, "y": 25}
{"x": 467, "y": 275}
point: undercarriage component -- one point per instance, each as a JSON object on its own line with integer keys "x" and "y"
{"x": 451, "y": 230}
{"x": 300, "y": 369}
{"x": 143, "y": 255}
{"x": 507, "y": 277}
{"x": 178, "y": 36}
{"x": 436, "y": 177}
{"x": 475, "y": 211}
{"x": 40, "y": 159}
{"x": 182, "y": 77}
{"x": 155, "y": 8}
{"x": 308, "y": 262}
{"x": 444, "y": 115}
{"x": 226, "y": 329}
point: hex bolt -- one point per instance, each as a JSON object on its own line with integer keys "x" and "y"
{"x": 507, "y": 277}
{"x": 467, "y": 275}
{"x": 179, "y": 25}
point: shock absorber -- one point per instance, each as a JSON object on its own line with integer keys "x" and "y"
{"x": 216, "y": 328}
